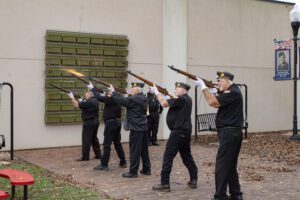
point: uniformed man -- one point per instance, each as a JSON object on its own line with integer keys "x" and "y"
{"x": 90, "y": 117}
{"x": 112, "y": 121}
{"x": 282, "y": 64}
{"x": 136, "y": 122}
{"x": 154, "y": 110}
{"x": 229, "y": 121}
{"x": 180, "y": 124}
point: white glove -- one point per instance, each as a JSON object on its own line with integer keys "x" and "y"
{"x": 80, "y": 100}
{"x": 213, "y": 91}
{"x": 102, "y": 94}
{"x": 200, "y": 83}
{"x": 71, "y": 95}
{"x": 90, "y": 86}
{"x": 154, "y": 89}
{"x": 167, "y": 97}
{"x": 111, "y": 88}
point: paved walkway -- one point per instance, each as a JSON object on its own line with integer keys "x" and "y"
{"x": 260, "y": 180}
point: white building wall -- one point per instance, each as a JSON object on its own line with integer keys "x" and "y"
{"x": 22, "y": 54}
{"x": 237, "y": 36}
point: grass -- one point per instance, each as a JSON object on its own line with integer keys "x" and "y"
{"x": 47, "y": 186}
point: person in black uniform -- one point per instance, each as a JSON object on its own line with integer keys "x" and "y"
{"x": 180, "y": 124}
{"x": 112, "y": 121}
{"x": 90, "y": 117}
{"x": 229, "y": 121}
{"x": 154, "y": 110}
{"x": 136, "y": 122}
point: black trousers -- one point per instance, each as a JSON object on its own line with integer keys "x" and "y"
{"x": 112, "y": 135}
{"x": 153, "y": 122}
{"x": 178, "y": 141}
{"x": 138, "y": 148}
{"x": 230, "y": 141}
{"x": 89, "y": 137}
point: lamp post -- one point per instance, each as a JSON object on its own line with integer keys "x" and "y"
{"x": 295, "y": 22}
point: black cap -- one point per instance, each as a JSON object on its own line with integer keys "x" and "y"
{"x": 225, "y": 75}
{"x": 182, "y": 85}
{"x": 281, "y": 54}
{"x": 136, "y": 84}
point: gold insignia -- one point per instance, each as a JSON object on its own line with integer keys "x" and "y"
{"x": 222, "y": 75}
{"x": 178, "y": 84}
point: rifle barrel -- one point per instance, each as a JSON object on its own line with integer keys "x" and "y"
{"x": 64, "y": 90}
{"x": 160, "y": 89}
{"x": 118, "y": 89}
{"x": 191, "y": 76}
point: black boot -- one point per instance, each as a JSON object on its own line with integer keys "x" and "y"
{"x": 101, "y": 168}
{"x": 192, "y": 184}
{"x": 162, "y": 188}
{"x": 129, "y": 175}
{"x": 148, "y": 173}
{"x": 238, "y": 197}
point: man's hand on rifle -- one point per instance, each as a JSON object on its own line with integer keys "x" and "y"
{"x": 71, "y": 95}
{"x": 154, "y": 89}
{"x": 200, "y": 83}
{"x": 90, "y": 86}
{"x": 111, "y": 88}
{"x": 213, "y": 91}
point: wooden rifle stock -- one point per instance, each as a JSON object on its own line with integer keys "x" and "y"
{"x": 87, "y": 82}
{"x": 118, "y": 89}
{"x": 64, "y": 90}
{"x": 191, "y": 76}
{"x": 160, "y": 89}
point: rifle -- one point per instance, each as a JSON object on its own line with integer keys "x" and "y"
{"x": 209, "y": 84}
{"x": 64, "y": 90}
{"x": 79, "y": 76}
{"x": 118, "y": 89}
{"x": 164, "y": 91}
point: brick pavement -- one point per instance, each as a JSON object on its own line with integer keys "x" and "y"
{"x": 275, "y": 185}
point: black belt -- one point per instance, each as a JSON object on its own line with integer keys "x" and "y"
{"x": 90, "y": 119}
{"x": 115, "y": 119}
{"x": 228, "y": 128}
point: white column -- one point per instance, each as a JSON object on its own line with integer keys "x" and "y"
{"x": 174, "y": 46}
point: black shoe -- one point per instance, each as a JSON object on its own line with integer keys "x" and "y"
{"x": 97, "y": 157}
{"x": 129, "y": 175}
{"x": 148, "y": 173}
{"x": 238, "y": 197}
{"x": 155, "y": 144}
{"x": 222, "y": 198}
{"x": 149, "y": 144}
{"x": 162, "y": 188}
{"x": 123, "y": 165}
{"x": 192, "y": 184}
{"x": 81, "y": 159}
{"x": 101, "y": 168}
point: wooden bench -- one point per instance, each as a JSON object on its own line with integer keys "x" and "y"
{"x": 4, "y": 195}
{"x": 16, "y": 178}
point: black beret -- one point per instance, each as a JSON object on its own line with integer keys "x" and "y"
{"x": 182, "y": 85}
{"x": 225, "y": 75}
{"x": 136, "y": 84}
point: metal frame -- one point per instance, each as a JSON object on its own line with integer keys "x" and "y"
{"x": 11, "y": 119}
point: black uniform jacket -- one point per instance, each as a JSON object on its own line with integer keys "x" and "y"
{"x": 230, "y": 113}
{"x": 90, "y": 109}
{"x": 136, "y": 105}
{"x": 179, "y": 114}
{"x": 112, "y": 110}
{"x": 153, "y": 104}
